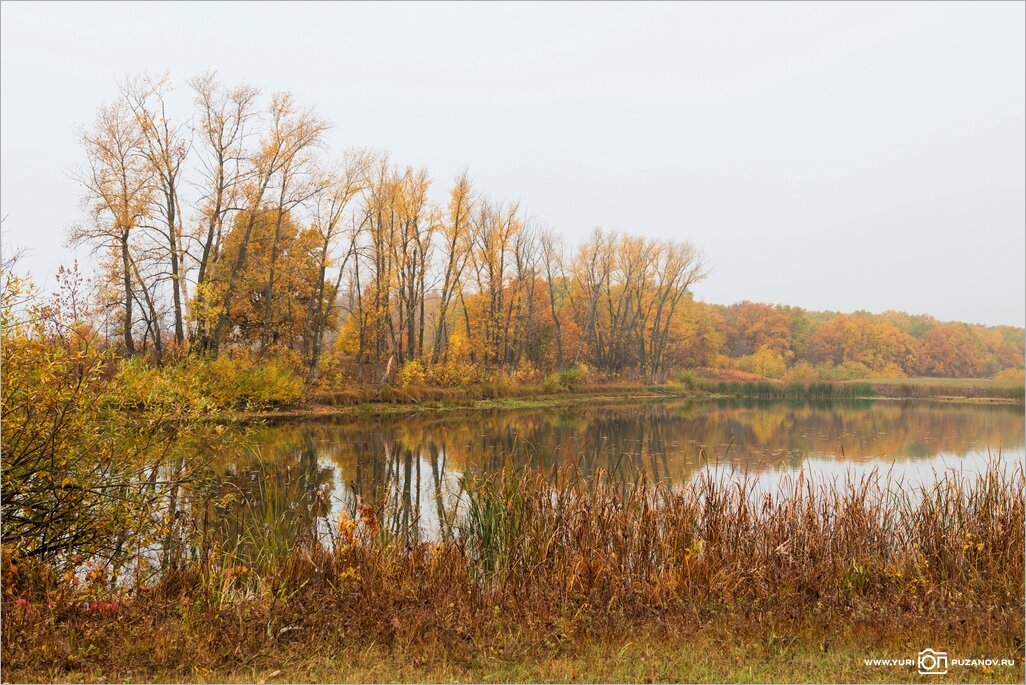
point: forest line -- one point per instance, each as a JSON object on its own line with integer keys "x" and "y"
{"x": 233, "y": 231}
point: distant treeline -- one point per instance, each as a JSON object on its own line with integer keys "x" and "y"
{"x": 792, "y": 343}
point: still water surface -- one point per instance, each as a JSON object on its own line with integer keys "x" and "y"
{"x": 290, "y": 479}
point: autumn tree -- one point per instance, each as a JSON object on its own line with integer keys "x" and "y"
{"x": 626, "y": 291}
{"x": 292, "y": 132}
{"x": 876, "y": 345}
{"x": 553, "y": 259}
{"x": 751, "y": 326}
{"x": 693, "y": 339}
{"x": 678, "y": 267}
{"x": 951, "y": 350}
{"x": 492, "y": 257}
{"x": 411, "y": 249}
{"x": 286, "y": 323}
{"x": 457, "y": 241}
{"x": 119, "y": 189}
{"x": 164, "y": 144}
{"x": 223, "y": 119}
{"x": 333, "y": 223}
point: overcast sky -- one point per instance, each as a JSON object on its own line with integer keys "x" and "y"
{"x": 833, "y": 156}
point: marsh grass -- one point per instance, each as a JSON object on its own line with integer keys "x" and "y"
{"x": 781, "y": 390}
{"x": 903, "y": 388}
{"x": 543, "y": 562}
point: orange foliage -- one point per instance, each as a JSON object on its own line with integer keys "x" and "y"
{"x": 951, "y": 350}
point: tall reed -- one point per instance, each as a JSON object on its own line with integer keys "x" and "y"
{"x": 536, "y": 556}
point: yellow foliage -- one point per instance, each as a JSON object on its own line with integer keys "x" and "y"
{"x": 766, "y": 362}
{"x": 526, "y": 374}
{"x": 412, "y": 373}
{"x": 1011, "y": 375}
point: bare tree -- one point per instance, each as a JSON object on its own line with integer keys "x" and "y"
{"x": 118, "y": 191}
{"x": 458, "y": 241}
{"x": 680, "y": 265}
{"x": 552, "y": 252}
{"x": 164, "y": 145}
{"x": 223, "y": 121}
{"x": 339, "y": 189}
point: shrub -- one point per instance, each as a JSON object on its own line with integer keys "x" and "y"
{"x": 848, "y": 371}
{"x": 1010, "y": 375}
{"x": 551, "y": 383}
{"x": 688, "y": 379}
{"x": 802, "y": 372}
{"x": 526, "y": 374}
{"x": 144, "y": 385}
{"x": 453, "y": 373}
{"x": 567, "y": 379}
{"x": 574, "y": 378}
{"x": 765, "y": 362}
{"x": 412, "y": 373}
{"x": 241, "y": 380}
{"x": 79, "y": 471}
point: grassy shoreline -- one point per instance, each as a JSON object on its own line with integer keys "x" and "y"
{"x": 414, "y": 400}
{"x": 558, "y": 579}
{"x": 696, "y": 653}
{"x": 410, "y": 405}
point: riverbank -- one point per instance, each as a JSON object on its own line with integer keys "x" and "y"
{"x": 405, "y": 401}
{"x": 388, "y": 400}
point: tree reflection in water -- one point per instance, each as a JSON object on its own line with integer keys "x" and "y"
{"x": 282, "y": 485}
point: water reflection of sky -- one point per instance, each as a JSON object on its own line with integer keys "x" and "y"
{"x": 897, "y": 474}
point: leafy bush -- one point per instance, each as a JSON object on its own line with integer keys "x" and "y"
{"x": 765, "y": 362}
{"x": 848, "y": 371}
{"x": 453, "y": 374}
{"x": 79, "y": 471}
{"x": 801, "y": 372}
{"x": 1010, "y": 375}
{"x": 551, "y": 383}
{"x": 688, "y": 379}
{"x": 242, "y": 380}
{"x": 567, "y": 379}
{"x": 526, "y": 374}
{"x": 412, "y": 373}
{"x": 203, "y": 384}
{"x": 175, "y": 386}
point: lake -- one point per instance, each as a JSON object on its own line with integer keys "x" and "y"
{"x": 286, "y": 481}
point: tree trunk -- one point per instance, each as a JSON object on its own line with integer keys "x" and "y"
{"x": 240, "y": 261}
{"x": 176, "y": 275}
{"x": 265, "y": 332}
{"x": 126, "y": 268}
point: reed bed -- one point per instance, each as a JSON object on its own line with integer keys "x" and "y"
{"x": 781, "y": 390}
{"x": 543, "y": 560}
{"x": 917, "y": 388}
{"x": 643, "y": 547}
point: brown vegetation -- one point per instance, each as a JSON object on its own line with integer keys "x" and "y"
{"x": 539, "y": 561}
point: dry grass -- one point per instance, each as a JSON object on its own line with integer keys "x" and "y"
{"x": 959, "y": 388}
{"x": 542, "y": 568}
{"x": 415, "y": 394}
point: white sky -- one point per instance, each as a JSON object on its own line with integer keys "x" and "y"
{"x": 833, "y": 156}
